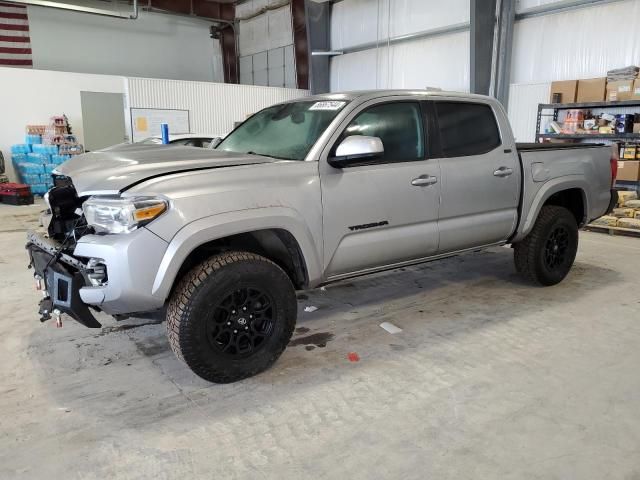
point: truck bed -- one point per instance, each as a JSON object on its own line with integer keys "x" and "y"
{"x": 524, "y": 147}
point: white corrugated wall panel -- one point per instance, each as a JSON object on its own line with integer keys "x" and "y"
{"x": 523, "y": 108}
{"x": 578, "y": 43}
{"x": 355, "y": 22}
{"x": 271, "y": 29}
{"x": 441, "y": 62}
{"x": 213, "y": 107}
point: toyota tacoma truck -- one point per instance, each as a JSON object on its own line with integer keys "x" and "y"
{"x": 301, "y": 194}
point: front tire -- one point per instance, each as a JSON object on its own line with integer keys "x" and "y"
{"x": 231, "y": 316}
{"x": 546, "y": 255}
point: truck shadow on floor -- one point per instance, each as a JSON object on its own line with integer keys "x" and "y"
{"x": 431, "y": 303}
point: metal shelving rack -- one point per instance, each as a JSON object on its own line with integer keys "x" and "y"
{"x": 615, "y": 137}
{"x": 556, "y": 107}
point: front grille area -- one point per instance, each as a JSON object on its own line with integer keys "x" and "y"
{"x": 67, "y": 221}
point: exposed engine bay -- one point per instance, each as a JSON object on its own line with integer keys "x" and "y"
{"x": 67, "y": 220}
{"x": 59, "y": 274}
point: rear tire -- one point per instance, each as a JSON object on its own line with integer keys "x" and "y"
{"x": 231, "y": 316}
{"x": 546, "y": 255}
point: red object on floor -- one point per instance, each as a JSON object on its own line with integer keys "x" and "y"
{"x": 19, "y": 189}
{"x": 15, "y": 194}
{"x": 353, "y": 357}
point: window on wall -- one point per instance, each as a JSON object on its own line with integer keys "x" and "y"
{"x": 398, "y": 125}
{"x": 467, "y": 129}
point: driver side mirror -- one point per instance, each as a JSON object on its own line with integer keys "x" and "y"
{"x": 356, "y": 149}
{"x": 215, "y": 142}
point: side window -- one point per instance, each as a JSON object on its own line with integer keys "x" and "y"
{"x": 467, "y": 129}
{"x": 398, "y": 125}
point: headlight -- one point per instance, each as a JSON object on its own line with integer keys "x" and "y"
{"x": 122, "y": 215}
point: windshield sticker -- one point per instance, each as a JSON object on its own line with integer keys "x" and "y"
{"x": 333, "y": 105}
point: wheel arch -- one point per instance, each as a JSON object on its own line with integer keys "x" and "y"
{"x": 569, "y": 194}
{"x": 283, "y": 239}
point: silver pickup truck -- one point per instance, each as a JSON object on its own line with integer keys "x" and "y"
{"x": 301, "y": 194}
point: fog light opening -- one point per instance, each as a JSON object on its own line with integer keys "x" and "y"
{"x": 97, "y": 272}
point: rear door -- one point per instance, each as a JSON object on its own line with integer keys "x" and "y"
{"x": 385, "y": 211}
{"x": 480, "y": 176}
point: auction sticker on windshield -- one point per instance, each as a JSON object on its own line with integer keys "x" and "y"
{"x": 332, "y": 105}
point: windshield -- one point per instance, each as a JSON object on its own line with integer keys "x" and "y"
{"x": 284, "y": 131}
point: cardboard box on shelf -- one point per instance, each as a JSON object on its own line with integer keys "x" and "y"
{"x": 636, "y": 89}
{"x": 567, "y": 90}
{"x": 591, "y": 90}
{"x": 629, "y": 171}
{"x": 620, "y": 90}
{"x": 629, "y": 152}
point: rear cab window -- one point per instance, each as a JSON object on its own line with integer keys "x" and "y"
{"x": 466, "y": 129}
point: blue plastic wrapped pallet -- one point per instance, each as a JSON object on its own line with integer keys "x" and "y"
{"x": 37, "y": 158}
{"x": 58, "y": 159}
{"x": 34, "y": 178}
{"x": 30, "y": 168}
{"x": 31, "y": 139}
{"x": 39, "y": 189}
{"x": 49, "y": 167}
{"x": 17, "y": 158}
{"x": 45, "y": 149}
{"x": 20, "y": 148}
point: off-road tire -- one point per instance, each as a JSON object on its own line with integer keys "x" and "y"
{"x": 210, "y": 282}
{"x": 530, "y": 253}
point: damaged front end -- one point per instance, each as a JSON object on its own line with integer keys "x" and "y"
{"x": 58, "y": 274}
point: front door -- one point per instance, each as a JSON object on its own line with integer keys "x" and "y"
{"x": 386, "y": 211}
{"x": 480, "y": 177}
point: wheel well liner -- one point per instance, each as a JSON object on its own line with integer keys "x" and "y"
{"x": 278, "y": 245}
{"x": 573, "y": 199}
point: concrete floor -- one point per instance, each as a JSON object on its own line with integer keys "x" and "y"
{"x": 490, "y": 378}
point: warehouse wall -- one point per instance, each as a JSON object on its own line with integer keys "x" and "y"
{"x": 266, "y": 43}
{"x": 441, "y": 61}
{"x": 32, "y": 96}
{"x": 154, "y": 45}
{"x": 214, "y": 107}
{"x": 574, "y": 44}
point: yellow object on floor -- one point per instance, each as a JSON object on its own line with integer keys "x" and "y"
{"x": 623, "y": 212}
{"x": 606, "y": 221}
{"x": 629, "y": 223}
{"x": 632, "y": 204}
{"x": 624, "y": 196}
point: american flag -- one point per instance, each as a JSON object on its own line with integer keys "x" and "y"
{"x": 15, "y": 44}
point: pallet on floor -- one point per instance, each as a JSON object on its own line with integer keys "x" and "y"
{"x": 613, "y": 230}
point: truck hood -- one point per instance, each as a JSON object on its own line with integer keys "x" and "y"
{"x": 110, "y": 171}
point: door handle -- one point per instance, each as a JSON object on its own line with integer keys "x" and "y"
{"x": 424, "y": 181}
{"x": 503, "y": 172}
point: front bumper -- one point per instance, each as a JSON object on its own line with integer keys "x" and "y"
{"x": 63, "y": 277}
{"x": 131, "y": 261}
